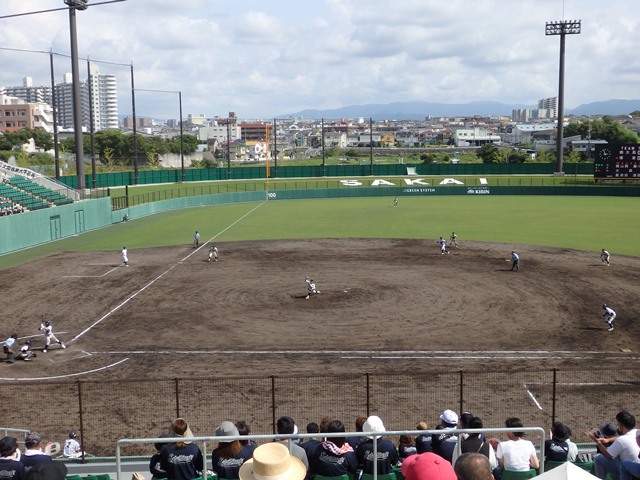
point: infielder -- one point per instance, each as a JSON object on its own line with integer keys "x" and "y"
{"x": 443, "y": 246}
{"x": 609, "y": 316}
{"x": 48, "y": 336}
{"x": 515, "y": 262}
{"x": 213, "y": 254}
{"x": 604, "y": 256}
{"x": 311, "y": 288}
{"x": 125, "y": 256}
{"x": 453, "y": 239}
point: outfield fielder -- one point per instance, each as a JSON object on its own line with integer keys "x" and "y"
{"x": 609, "y": 316}
{"x": 311, "y": 288}
{"x": 47, "y": 328}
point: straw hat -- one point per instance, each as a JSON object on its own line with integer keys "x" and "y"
{"x": 272, "y": 461}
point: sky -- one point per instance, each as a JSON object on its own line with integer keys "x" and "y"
{"x": 266, "y": 58}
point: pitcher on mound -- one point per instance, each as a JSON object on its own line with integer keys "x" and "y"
{"x": 311, "y": 288}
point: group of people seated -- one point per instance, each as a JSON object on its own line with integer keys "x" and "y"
{"x": 448, "y": 455}
{"x": 12, "y": 209}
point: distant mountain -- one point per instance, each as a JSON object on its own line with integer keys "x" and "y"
{"x": 608, "y": 107}
{"x": 421, "y": 110}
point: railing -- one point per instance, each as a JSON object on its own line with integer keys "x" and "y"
{"x": 538, "y": 432}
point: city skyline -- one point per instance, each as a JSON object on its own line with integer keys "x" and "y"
{"x": 268, "y": 59}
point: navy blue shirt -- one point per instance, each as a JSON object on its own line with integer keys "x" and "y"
{"x": 556, "y": 450}
{"x": 423, "y": 444}
{"x": 228, "y": 467}
{"x": 182, "y": 463}
{"x": 387, "y": 456}
{"x": 30, "y": 461}
{"x": 11, "y": 470}
{"x": 329, "y": 464}
{"x": 155, "y": 468}
{"x": 444, "y": 444}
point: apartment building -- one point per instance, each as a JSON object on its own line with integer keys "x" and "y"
{"x": 16, "y": 114}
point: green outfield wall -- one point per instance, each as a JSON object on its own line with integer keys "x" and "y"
{"x": 145, "y": 177}
{"x": 49, "y": 224}
{"x": 419, "y": 190}
{"x": 145, "y": 209}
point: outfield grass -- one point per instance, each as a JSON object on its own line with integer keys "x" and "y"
{"x": 583, "y": 223}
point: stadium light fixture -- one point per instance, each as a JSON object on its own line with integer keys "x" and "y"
{"x": 562, "y": 28}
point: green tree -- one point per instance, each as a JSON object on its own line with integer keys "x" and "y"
{"x": 605, "y": 128}
{"x": 488, "y": 153}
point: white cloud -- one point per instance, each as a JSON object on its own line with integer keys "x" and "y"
{"x": 268, "y": 58}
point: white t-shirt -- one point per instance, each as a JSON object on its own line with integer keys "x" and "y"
{"x": 625, "y": 447}
{"x": 516, "y": 454}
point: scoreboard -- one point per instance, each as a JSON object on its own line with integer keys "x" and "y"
{"x": 617, "y": 161}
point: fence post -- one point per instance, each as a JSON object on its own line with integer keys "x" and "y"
{"x": 461, "y": 392}
{"x": 553, "y": 394}
{"x": 273, "y": 404}
{"x": 82, "y": 442}
{"x": 368, "y": 394}
{"x": 177, "y": 390}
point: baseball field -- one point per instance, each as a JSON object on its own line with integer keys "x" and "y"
{"x": 390, "y": 301}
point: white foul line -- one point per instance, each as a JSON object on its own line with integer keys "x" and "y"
{"x": 65, "y": 376}
{"x": 532, "y": 397}
{"x": 131, "y": 297}
{"x": 224, "y": 230}
{"x": 90, "y": 276}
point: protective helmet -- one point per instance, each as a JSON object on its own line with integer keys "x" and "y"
{"x": 14, "y": 335}
{"x": 604, "y": 305}
{"x": 47, "y": 323}
{"x": 73, "y": 434}
{"x": 28, "y": 342}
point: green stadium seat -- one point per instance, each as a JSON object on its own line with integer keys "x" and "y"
{"x": 337, "y": 477}
{"x": 386, "y": 476}
{"x": 518, "y": 475}
{"x": 588, "y": 466}
{"x": 104, "y": 476}
{"x": 551, "y": 464}
{"x": 73, "y": 477}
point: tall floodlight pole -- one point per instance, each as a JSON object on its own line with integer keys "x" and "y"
{"x": 562, "y": 28}
{"x": 54, "y": 108}
{"x": 324, "y": 165}
{"x": 135, "y": 132}
{"x": 181, "y": 136}
{"x": 75, "y": 75}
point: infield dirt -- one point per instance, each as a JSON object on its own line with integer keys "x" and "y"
{"x": 386, "y": 305}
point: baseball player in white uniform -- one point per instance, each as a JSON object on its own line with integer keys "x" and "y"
{"x": 443, "y": 246}
{"x": 311, "y": 288}
{"x": 604, "y": 256}
{"x": 125, "y": 256}
{"x": 609, "y": 316}
{"x": 47, "y": 328}
{"x": 213, "y": 254}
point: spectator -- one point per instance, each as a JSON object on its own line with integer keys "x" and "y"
{"x": 624, "y": 448}
{"x": 334, "y": 456}
{"x": 475, "y": 443}
{"x": 473, "y": 466}
{"x": 272, "y": 461}
{"x": 311, "y": 444}
{"x": 444, "y": 443}
{"x": 228, "y": 457}
{"x": 427, "y": 466}
{"x": 244, "y": 430}
{"x": 10, "y": 468}
{"x": 387, "y": 453}
{"x": 33, "y": 454}
{"x": 423, "y": 442}
{"x": 355, "y": 441}
{"x": 516, "y": 454}
{"x": 47, "y": 471}
{"x": 72, "y": 447}
{"x": 286, "y": 426}
{"x": 181, "y": 460}
{"x": 629, "y": 469}
{"x": 406, "y": 446}
{"x": 155, "y": 468}
{"x": 559, "y": 448}
{"x": 9, "y": 347}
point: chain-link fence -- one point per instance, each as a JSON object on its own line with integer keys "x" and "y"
{"x": 104, "y": 411}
